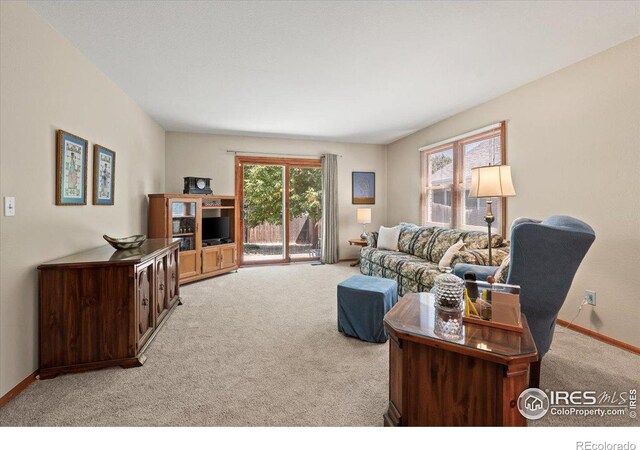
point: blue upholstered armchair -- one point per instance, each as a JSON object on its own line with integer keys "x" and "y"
{"x": 545, "y": 256}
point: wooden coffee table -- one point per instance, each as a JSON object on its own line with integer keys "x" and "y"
{"x": 433, "y": 381}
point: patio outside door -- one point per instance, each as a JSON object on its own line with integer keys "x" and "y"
{"x": 281, "y": 209}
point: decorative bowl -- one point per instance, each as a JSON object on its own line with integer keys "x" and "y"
{"x": 126, "y": 243}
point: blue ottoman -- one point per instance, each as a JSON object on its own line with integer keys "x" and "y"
{"x": 362, "y": 303}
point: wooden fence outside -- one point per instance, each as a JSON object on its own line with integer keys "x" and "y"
{"x": 302, "y": 231}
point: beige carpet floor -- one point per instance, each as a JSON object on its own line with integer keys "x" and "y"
{"x": 260, "y": 347}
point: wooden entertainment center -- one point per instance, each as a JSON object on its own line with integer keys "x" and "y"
{"x": 180, "y": 216}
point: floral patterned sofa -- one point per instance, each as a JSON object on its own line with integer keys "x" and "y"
{"x": 415, "y": 265}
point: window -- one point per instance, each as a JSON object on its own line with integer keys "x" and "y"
{"x": 446, "y": 178}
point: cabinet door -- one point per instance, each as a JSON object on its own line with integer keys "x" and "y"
{"x": 227, "y": 257}
{"x": 184, "y": 223}
{"x": 144, "y": 302}
{"x": 210, "y": 259}
{"x": 173, "y": 287}
{"x": 161, "y": 298}
{"x": 189, "y": 266}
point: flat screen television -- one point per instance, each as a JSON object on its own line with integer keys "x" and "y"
{"x": 215, "y": 228}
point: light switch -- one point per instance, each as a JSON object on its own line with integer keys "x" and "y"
{"x": 9, "y": 206}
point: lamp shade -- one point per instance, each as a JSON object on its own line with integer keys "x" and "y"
{"x": 491, "y": 181}
{"x": 363, "y": 215}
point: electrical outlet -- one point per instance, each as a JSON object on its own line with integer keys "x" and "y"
{"x": 590, "y": 297}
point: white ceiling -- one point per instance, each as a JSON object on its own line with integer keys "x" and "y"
{"x": 343, "y": 71}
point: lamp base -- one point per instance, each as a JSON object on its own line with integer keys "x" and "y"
{"x": 489, "y": 218}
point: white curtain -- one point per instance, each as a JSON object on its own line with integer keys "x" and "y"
{"x": 329, "y": 209}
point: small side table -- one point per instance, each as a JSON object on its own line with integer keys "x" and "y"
{"x": 360, "y": 243}
{"x": 472, "y": 381}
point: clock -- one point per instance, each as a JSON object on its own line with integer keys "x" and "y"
{"x": 197, "y": 185}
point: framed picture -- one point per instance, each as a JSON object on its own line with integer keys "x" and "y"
{"x": 363, "y": 188}
{"x": 71, "y": 169}
{"x": 104, "y": 175}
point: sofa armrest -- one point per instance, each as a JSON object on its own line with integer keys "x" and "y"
{"x": 372, "y": 239}
{"x": 480, "y": 257}
{"x": 482, "y": 272}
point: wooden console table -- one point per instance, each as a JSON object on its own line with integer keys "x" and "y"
{"x": 473, "y": 381}
{"x": 103, "y": 307}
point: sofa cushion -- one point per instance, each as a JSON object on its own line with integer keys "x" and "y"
{"x": 421, "y": 272}
{"x": 481, "y": 256}
{"x": 443, "y": 238}
{"x": 413, "y": 238}
{"x": 387, "y": 259}
{"x": 408, "y": 266}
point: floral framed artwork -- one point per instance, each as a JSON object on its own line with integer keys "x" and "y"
{"x": 71, "y": 169}
{"x": 104, "y": 175}
{"x": 363, "y": 188}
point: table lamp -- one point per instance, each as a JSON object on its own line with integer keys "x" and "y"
{"x": 363, "y": 216}
{"x": 487, "y": 182}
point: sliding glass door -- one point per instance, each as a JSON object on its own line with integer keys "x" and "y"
{"x": 305, "y": 212}
{"x": 263, "y": 211}
{"x": 281, "y": 209}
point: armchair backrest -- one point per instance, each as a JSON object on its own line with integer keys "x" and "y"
{"x": 545, "y": 256}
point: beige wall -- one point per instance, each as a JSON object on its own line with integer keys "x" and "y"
{"x": 46, "y": 84}
{"x": 573, "y": 141}
{"x": 205, "y": 155}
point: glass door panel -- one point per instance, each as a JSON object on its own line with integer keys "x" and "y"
{"x": 183, "y": 223}
{"x": 185, "y": 216}
{"x": 305, "y": 212}
{"x": 263, "y": 210}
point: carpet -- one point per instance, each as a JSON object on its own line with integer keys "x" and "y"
{"x": 260, "y": 348}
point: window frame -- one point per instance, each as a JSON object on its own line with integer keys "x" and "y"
{"x": 457, "y": 187}
{"x": 426, "y": 187}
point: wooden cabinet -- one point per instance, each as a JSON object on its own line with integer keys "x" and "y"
{"x": 103, "y": 307}
{"x": 181, "y": 216}
{"x": 472, "y": 381}
{"x": 219, "y": 258}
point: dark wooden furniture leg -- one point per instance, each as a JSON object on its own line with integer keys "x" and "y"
{"x": 534, "y": 374}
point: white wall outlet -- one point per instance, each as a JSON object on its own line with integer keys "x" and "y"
{"x": 590, "y": 298}
{"x": 9, "y": 206}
